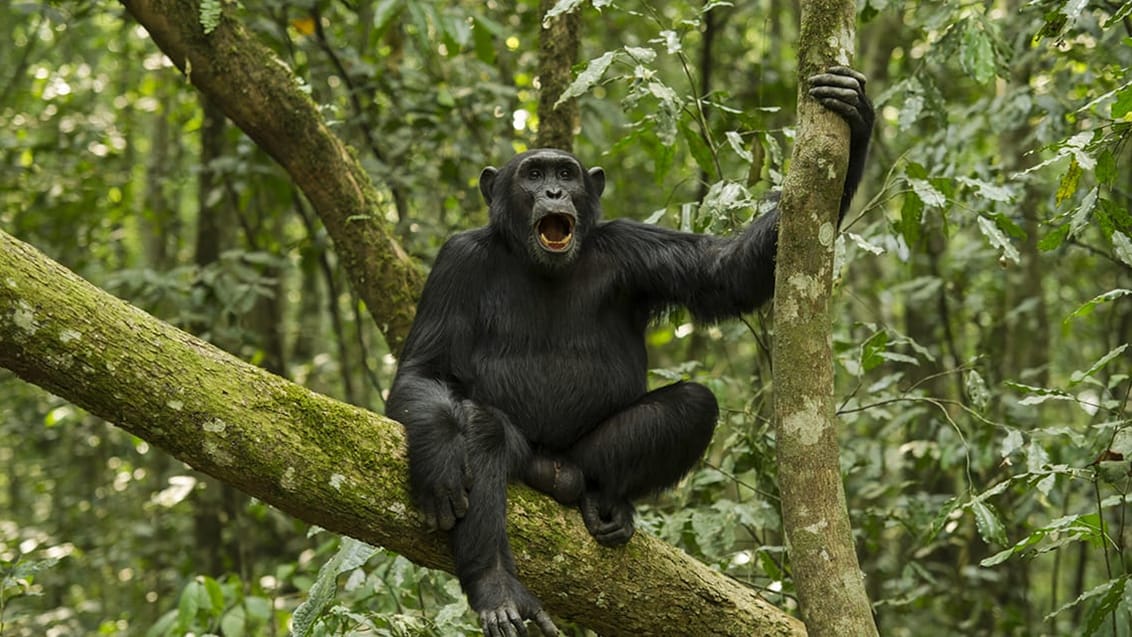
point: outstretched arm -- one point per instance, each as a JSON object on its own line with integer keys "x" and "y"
{"x": 718, "y": 277}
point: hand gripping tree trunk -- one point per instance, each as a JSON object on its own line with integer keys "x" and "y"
{"x": 826, "y": 573}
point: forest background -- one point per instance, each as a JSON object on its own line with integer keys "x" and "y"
{"x": 983, "y": 314}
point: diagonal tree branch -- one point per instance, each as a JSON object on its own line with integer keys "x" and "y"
{"x": 327, "y": 462}
{"x": 257, "y": 91}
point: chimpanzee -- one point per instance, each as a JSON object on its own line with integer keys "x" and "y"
{"x": 527, "y": 357}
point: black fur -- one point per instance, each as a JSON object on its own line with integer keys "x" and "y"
{"x": 527, "y": 358}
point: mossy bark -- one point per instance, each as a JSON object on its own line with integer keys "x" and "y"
{"x": 327, "y": 462}
{"x": 827, "y": 576}
{"x": 558, "y": 49}
{"x": 257, "y": 91}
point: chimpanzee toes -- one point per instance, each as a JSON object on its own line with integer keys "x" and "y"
{"x": 611, "y": 524}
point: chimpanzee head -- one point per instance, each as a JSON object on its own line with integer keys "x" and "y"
{"x": 544, "y": 202}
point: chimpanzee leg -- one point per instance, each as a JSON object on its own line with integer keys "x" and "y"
{"x": 484, "y": 563}
{"x": 646, "y": 447}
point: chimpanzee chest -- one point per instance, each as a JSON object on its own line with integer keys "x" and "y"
{"x": 558, "y": 358}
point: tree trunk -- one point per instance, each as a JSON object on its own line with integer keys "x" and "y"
{"x": 558, "y": 49}
{"x": 819, "y": 538}
{"x": 329, "y": 463}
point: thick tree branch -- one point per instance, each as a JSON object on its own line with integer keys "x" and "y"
{"x": 263, "y": 97}
{"x": 830, "y": 586}
{"x": 326, "y": 462}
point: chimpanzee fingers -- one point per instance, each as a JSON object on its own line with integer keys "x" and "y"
{"x": 830, "y": 81}
{"x": 504, "y": 621}
{"x": 845, "y": 70}
{"x": 544, "y": 623}
{"x": 846, "y": 96}
{"x": 849, "y": 113}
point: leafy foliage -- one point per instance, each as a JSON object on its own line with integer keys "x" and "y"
{"x": 981, "y": 337}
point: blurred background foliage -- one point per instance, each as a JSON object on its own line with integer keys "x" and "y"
{"x": 981, "y": 331}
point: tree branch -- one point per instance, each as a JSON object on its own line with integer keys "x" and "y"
{"x": 257, "y": 91}
{"x": 327, "y": 462}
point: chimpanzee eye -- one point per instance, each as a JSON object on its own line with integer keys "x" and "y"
{"x": 534, "y": 173}
{"x": 565, "y": 174}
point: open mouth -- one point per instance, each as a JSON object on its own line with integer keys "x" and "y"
{"x": 555, "y": 231}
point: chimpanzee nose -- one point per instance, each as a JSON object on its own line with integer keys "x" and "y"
{"x": 554, "y": 193}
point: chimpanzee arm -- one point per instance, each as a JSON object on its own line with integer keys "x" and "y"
{"x": 425, "y": 396}
{"x": 715, "y": 277}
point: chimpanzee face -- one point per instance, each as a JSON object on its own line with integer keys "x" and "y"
{"x": 546, "y": 201}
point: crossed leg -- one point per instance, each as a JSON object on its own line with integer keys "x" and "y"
{"x": 646, "y": 447}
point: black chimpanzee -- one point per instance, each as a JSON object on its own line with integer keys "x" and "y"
{"x": 527, "y": 357}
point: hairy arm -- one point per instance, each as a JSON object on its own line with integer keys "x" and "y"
{"x": 717, "y": 277}
{"x": 425, "y": 397}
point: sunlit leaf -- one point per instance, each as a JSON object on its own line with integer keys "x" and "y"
{"x": 1122, "y": 247}
{"x": 988, "y": 523}
{"x": 1078, "y": 376}
{"x": 998, "y": 239}
{"x": 1087, "y": 307}
{"x": 593, "y": 73}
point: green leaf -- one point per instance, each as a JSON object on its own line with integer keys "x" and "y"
{"x": 912, "y": 220}
{"x": 1080, "y": 215}
{"x": 351, "y": 554}
{"x": 928, "y": 193}
{"x": 233, "y": 622}
{"x": 1069, "y": 181}
{"x": 1088, "y": 307}
{"x": 701, "y": 152}
{"x": 976, "y": 53}
{"x": 1122, "y": 247}
{"x": 988, "y": 523}
{"x": 215, "y": 596}
{"x": 210, "y": 15}
{"x": 977, "y": 390}
{"x": 1013, "y": 442}
{"x": 384, "y": 14}
{"x": 1102, "y": 589}
{"x": 593, "y": 73}
{"x": 998, "y": 239}
{"x": 1107, "y": 605}
{"x": 872, "y": 350}
{"x": 1078, "y": 376}
{"x": 561, "y": 7}
{"x": 1054, "y": 239}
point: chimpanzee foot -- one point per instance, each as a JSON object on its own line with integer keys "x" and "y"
{"x": 505, "y": 606}
{"x": 557, "y": 478}
{"x": 609, "y": 521}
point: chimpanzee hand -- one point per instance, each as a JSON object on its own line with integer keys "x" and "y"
{"x": 842, "y": 90}
{"x": 608, "y": 519}
{"x": 442, "y": 496}
{"x": 440, "y": 486}
{"x": 505, "y": 606}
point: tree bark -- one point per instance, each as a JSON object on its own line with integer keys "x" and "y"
{"x": 828, "y": 579}
{"x": 259, "y": 94}
{"x": 558, "y": 49}
{"x": 329, "y": 463}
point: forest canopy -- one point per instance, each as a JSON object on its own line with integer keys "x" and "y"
{"x": 282, "y": 197}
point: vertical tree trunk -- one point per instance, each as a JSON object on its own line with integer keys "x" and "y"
{"x": 830, "y": 586}
{"x": 558, "y": 48}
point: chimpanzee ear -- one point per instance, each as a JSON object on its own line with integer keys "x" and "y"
{"x": 597, "y": 176}
{"x": 487, "y": 183}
